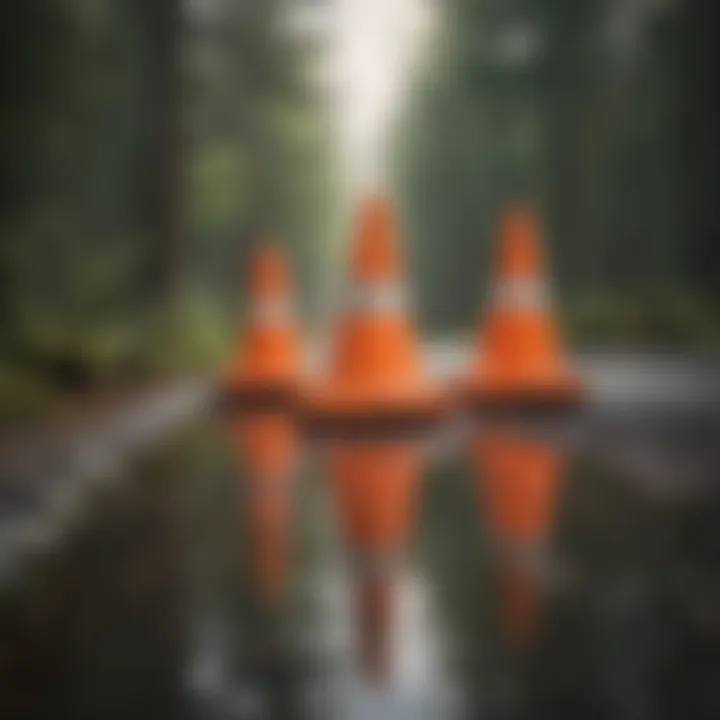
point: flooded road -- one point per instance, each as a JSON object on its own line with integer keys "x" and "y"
{"x": 240, "y": 572}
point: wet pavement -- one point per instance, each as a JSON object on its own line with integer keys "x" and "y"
{"x": 241, "y": 572}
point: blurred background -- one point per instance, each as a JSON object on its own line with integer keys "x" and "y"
{"x": 146, "y": 146}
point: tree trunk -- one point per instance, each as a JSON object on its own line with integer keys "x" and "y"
{"x": 700, "y": 157}
{"x": 163, "y": 218}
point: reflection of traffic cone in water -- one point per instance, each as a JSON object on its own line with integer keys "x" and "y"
{"x": 520, "y": 486}
{"x": 374, "y": 596}
{"x": 268, "y": 361}
{"x": 521, "y": 361}
{"x": 266, "y": 443}
{"x": 519, "y": 490}
{"x": 374, "y": 487}
{"x": 376, "y": 371}
{"x": 520, "y": 596}
{"x": 374, "y": 484}
{"x": 266, "y": 446}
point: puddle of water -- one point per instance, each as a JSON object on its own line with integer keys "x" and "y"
{"x": 240, "y": 574}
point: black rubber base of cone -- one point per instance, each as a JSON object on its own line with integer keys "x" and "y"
{"x": 253, "y": 399}
{"x": 385, "y": 424}
{"x": 526, "y": 405}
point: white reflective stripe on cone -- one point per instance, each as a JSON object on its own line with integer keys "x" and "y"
{"x": 521, "y": 294}
{"x": 270, "y": 312}
{"x": 376, "y": 297}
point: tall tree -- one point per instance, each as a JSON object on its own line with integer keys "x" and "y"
{"x": 259, "y": 154}
{"x": 700, "y": 148}
{"x": 32, "y": 75}
{"x": 167, "y": 48}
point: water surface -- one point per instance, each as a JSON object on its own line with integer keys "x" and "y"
{"x": 239, "y": 572}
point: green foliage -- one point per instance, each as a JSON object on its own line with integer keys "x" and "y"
{"x": 77, "y": 358}
{"x": 54, "y": 359}
{"x": 218, "y": 191}
{"x": 258, "y": 160}
{"x": 658, "y": 320}
{"x": 23, "y": 395}
{"x": 193, "y": 337}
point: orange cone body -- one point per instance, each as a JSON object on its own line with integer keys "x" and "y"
{"x": 268, "y": 360}
{"x": 375, "y": 368}
{"x": 520, "y": 486}
{"x": 266, "y": 446}
{"x": 521, "y": 360}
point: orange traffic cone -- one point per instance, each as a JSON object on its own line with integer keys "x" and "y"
{"x": 267, "y": 365}
{"x": 376, "y": 371}
{"x": 266, "y": 447}
{"x": 521, "y": 362}
{"x": 520, "y": 486}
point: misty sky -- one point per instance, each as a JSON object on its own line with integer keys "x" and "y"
{"x": 374, "y": 47}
